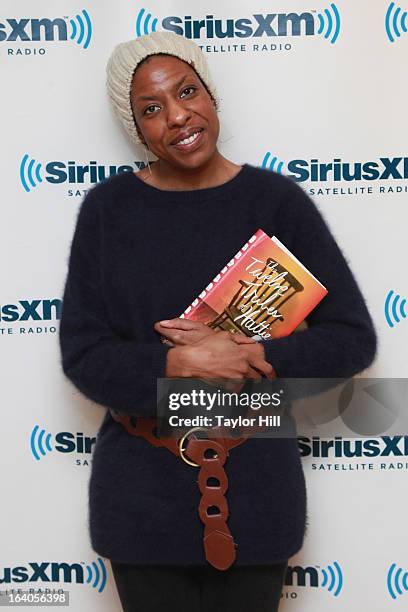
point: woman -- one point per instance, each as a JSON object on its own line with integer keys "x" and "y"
{"x": 144, "y": 246}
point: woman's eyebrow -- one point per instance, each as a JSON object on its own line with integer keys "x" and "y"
{"x": 175, "y": 86}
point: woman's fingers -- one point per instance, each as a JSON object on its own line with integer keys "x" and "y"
{"x": 256, "y": 359}
{"x": 184, "y": 324}
{"x": 182, "y": 331}
{"x": 253, "y": 374}
{"x": 175, "y": 336}
{"x": 264, "y": 367}
{"x": 241, "y": 339}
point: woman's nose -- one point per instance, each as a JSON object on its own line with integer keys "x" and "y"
{"x": 177, "y": 113}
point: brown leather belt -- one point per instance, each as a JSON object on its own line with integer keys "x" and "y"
{"x": 210, "y": 456}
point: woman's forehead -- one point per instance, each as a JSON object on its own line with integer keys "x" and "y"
{"x": 161, "y": 71}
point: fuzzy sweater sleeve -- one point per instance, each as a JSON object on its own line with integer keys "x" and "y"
{"x": 340, "y": 340}
{"x": 108, "y": 369}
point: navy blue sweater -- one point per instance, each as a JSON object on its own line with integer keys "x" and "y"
{"x": 141, "y": 254}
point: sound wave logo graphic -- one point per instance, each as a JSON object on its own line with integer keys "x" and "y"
{"x": 329, "y": 23}
{"x": 40, "y": 446}
{"x": 81, "y": 29}
{"x": 30, "y": 173}
{"x": 395, "y": 20}
{"x": 396, "y": 582}
{"x": 332, "y": 579}
{"x": 143, "y": 23}
{"x": 393, "y": 308}
{"x": 96, "y": 575}
{"x": 272, "y": 163}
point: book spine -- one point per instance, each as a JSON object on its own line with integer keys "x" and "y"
{"x": 222, "y": 276}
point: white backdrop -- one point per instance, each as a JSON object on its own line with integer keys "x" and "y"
{"x": 326, "y": 85}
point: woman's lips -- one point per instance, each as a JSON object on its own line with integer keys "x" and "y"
{"x": 191, "y": 145}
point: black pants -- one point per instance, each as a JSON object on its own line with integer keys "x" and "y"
{"x": 199, "y": 589}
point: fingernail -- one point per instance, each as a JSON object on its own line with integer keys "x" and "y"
{"x": 164, "y": 322}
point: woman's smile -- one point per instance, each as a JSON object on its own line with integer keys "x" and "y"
{"x": 190, "y": 143}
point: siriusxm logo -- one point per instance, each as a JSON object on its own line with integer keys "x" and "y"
{"x": 257, "y": 25}
{"x": 42, "y": 442}
{"x": 330, "y": 578}
{"x": 32, "y": 172}
{"x": 394, "y": 307}
{"x": 397, "y": 581}
{"x": 395, "y": 22}
{"x": 385, "y": 168}
{"x": 77, "y": 29}
{"x": 93, "y": 573}
{"x": 36, "y": 310}
{"x": 386, "y": 446}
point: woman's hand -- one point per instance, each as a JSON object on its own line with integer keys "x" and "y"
{"x": 218, "y": 356}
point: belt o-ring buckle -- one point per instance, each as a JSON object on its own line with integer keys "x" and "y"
{"x": 182, "y": 449}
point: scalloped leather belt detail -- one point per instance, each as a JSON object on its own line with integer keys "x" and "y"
{"x": 210, "y": 456}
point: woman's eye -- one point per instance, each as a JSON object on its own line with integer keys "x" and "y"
{"x": 151, "y": 106}
{"x": 187, "y": 88}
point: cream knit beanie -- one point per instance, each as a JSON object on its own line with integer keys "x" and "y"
{"x": 125, "y": 58}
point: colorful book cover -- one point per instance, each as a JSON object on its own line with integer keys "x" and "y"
{"x": 263, "y": 291}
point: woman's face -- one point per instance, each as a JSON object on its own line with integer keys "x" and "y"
{"x": 171, "y": 103}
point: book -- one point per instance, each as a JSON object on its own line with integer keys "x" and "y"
{"x": 264, "y": 292}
